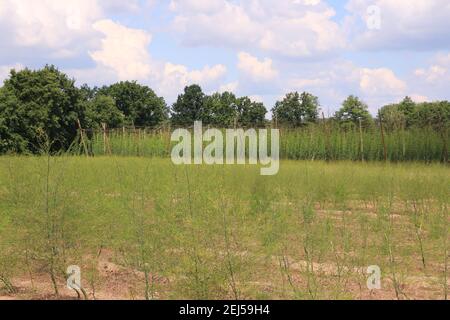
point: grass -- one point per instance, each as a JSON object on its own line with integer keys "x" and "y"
{"x": 143, "y": 228}
{"x": 316, "y": 142}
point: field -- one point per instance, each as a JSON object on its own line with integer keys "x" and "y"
{"x": 315, "y": 142}
{"x": 142, "y": 228}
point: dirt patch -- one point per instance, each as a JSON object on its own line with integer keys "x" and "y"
{"x": 113, "y": 282}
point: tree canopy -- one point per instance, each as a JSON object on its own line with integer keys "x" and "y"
{"x": 190, "y": 107}
{"x": 219, "y": 109}
{"x": 222, "y": 109}
{"x": 36, "y": 103}
{"x": 297, "y": 110}
{"x": 353, "y": 111}
{"x": 250, "y": 113}
{"x": 138, "y": 103}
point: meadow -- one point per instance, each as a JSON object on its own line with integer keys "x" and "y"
{"x": 142, "y": 228}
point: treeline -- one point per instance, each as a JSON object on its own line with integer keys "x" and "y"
{"x": 47, "y": 103}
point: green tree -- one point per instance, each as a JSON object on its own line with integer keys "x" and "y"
{"x": 190, "y": 107}
{"x": 408, "y": 108}
{"x": 296, "y": 110}
{"x": 250, "y": 113}
{"x": 435, "y": 115}
{"x": 393, "y": 117}
{"x": 400, "y": 115}
{"x": 87, "y": 92}
{"x": 140, "y": 105}
{"x": 39, "y": 102}
{"x": 221, "y": 108}
{"x": 103, "y": 109}
{"x": 352, "y": 111}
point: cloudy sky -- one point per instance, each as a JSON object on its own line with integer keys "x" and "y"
{"x": 380, "y": 50}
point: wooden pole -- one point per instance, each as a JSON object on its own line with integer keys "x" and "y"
{"x": 106, "y": 144}
{"x": 169, "y": 136}
{"x": 139, "y": 142}
{"x": 361, "y": 140}
{"x": 383, "y": 140}
{"x": 82, "y": 138}
{"x": 327, "y": 138}
{"x": 104, "y": 138}
{"x": 444, "y": 134}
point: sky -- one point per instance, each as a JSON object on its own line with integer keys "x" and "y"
{"x": 379, "y": 50}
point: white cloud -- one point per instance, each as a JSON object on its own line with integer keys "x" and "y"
{"x": 255, "y": 69}
{"x": 334, "y": 80}
{"x": 230, "y": 87}
{"x": 419, "y": 98}
{"x": 208, "y": 6}
{"x": 405, "y": 24}
{"x": 124, "y": 55}
{"x": 285, "y": 28}
{"x": 256, "y": 98}
{"x": 50, "y": 23}
{"x": 207, "y": 74}
{"x": 174, "y": 78}
{"x": 433, "y": 78}
{"x": 120, "y": 5}
{"x": 381, "y": 82}
{"x": 438, "y": 72}
{"x": 308, "y": 83}
{"x": 124, "y": 50}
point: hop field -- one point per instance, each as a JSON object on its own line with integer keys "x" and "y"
{"x": 315, "y": 142}
{"x": 143, "y": 228}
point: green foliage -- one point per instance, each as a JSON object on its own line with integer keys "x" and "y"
{"x": 190, "y": 107}
{"x": 296, "y": 110}
{"x": 434, "y": 115}
{"x": 393, "y": 118}
{"x": 221, "y": 108}
{"x": 102, "y": 109}
{"x": 250, "y": 113}
{"x": 148, "y": 229}
{"x": 35, "y": 102}
{"x": 140, "y": 105}
{"x": 313, "y": 142}
{"x": 407, "y": 107}
{"x": 400, "y": 115}
{"x": 354, "y": 110}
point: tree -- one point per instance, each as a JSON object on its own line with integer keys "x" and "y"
{"x": 190, "y": 107}
{"x": 435, "y": 115}
{"x": 400, "y": 115}
{"x": 407, "y": 107}
{"x": 297, "y": 110}
{"x": 353, "y": 111}
{"x": 87, "y": 92}
{"x": 250, "y": 113}
{"x": 221, "y": 108}
{"x": 139, "y": 104}
{"x": 393, "y": 117}
{"x": 33, "y": 103}
{"x": 103, "y": 109}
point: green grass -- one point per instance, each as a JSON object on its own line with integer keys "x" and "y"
{"x": 210, "y": 232}
{"x": 311, "y": 143}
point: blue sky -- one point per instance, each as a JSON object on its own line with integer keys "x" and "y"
{"x": 380, "y": 50}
